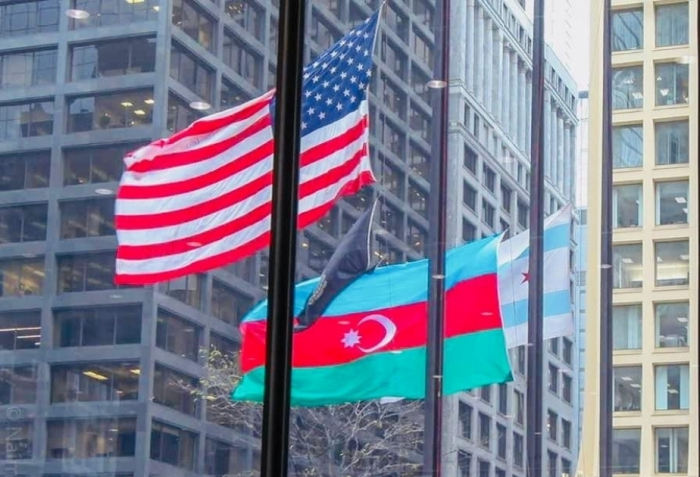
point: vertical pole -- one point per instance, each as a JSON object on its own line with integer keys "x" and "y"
{"x": 606, "y": 270}
{"x": 290, "y": 57}
{"x": 437, "y": 208}
{"x": 535, "y": 359}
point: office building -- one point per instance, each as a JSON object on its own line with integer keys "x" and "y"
{"x": 655, "y": 240}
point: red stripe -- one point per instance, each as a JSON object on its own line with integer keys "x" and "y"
{"x": 201, "y": 266}
{"x": 332, "y": 176}
{"x": 181, "y": 216}
{"x": 310, "y": 216}
{"x": 189, "y": 185}
{"x": 191, "y": 156}
{"x": 472, "y": 306}
{"x": 144, "y": 252}
{"x": 334, "y": 144}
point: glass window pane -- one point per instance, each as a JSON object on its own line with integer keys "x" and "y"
{"x": 17, "y": 438}
{"x": 107, "y": 12}
{"x": 672, "y": 387}
{"x": 628, "y": 84}
{"x": 110, "y": 111}
{"x": 23, "y": 18}
{"x": 113, "y": 58}
{"x": 177, "y": 336}
{"x": 628, "y": 146}
{"x": 95, "y": 382}
{"x": 627, "y": 266}
{"x": 627, "y": 327}
{"x": 626, "y": 451}
{"x": 671, "y": 450}
{"x": 672, "y": 264}
{"x": 87, "y": 218}
{"x": 628, "y": 29}
{"x": 18, "y": 385}
{"x": 671, "y": 203}
{"x": 21, "y": 277}
{"x": 69, "y": 439}
{"x": 671, "y": 84}
{"x": 627, "y": 206}
{"x": 672, "y": 325}
{"x": 672, "y": 25}
{"x": 29, "y": 119}
{"x": 627, "y": 389}
{"x": 672, "y": 142}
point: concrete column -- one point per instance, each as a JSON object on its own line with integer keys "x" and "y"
{"x": 513, "y": 95}
{"x": 505, "y": 90}
{"x": 471, "y": 65}
{"x": 522, "y": 109}
{"x": 547, "y": 133}
{"x": 498, "y": 75}
{"x": 488, "y": 63}
{"x": 479, "y": 56}
{"x": 528, "y": 112}
{"x": 567, "y": 160}
{"x": 560, "y": 152}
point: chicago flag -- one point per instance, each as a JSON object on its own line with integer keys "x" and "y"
{"x": 201, "y": 198}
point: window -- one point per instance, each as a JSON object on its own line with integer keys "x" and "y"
{"x": 417, "y": 199}
{"x": 523, "y": 215}
{"x": 190, "y": 72}
{"x": 566, "y": 433}
{"x": 485, "y": 393}
{"x": 506, "y": 198}
{"x": 552, "y": 425}
{"x": 231, "y": 95}
{"x": 469, "y": 195}
{"x": 671, "y": 450}
{"x": 248, "y": 15}
{"x": 518, "y": 450}
{"x": 240, "y": 58}
{"x": 173, "y": 446}
{"x": 566, "y": 468}
{"x": 520, "y": 359}
{"x": 27, "y": 68}
{"x": 29, "y": 119}
{"x": 228, "y": 305}
{"x": 95, "y": 382}
{"x": 109, "y": 111}
{"x": 187, "y": 289}
{"x": 174, "y": 390}
{"x": 628, "y": 90}
{"x": 554, "y": 346}
{"x": 418, "y": 161}
{"x": 20, "y": 330}
{"x": 503, "y": 398}
{"x": 553, "y": 379}
{"x": 464, "y": 463}
{"x": 489, "y": 179}
{"x": 519, "y": 407}
{"x": 502, "y": 440}
{"x": 113, "y": 58}
{"x": 465, "y": 420}
{"x": 391, "y": 177}
{"x": 628, "y": 146}
{"x": 470, "y": 159}
{"x": 319, "y": 254}
{"x": 179, "y": 114}
{"x": 17, "y": 438}
{"x": 21, "y": 277}
{"x": 627, "y": 388}
{"x": 24, "y": 171}
{"x": 672, "y": 142}
{"x": 222, "y": 458}
{"x": 627, "y": 266}
{"x": 672, "y": 263}
{"x": 25, "y": 223}
{"x": 69, "y": 439}
{"x": 87, "y": 218}
{"x": 95, "y": 165}
{"x": 101, "y": 326}
{"x": 626, "y": 451}
{"x": 18, "y": 385}
{"x": 672, "y": 24}
{"x": 484, "y": 431}
{"x": 391, "y": 219}
{"x": 85, "y": 272}
{"x": 567, "y": 388}
{"x": 110, "y": 12}
{"x": 484, "y": 468}
{"x": 672, "y": 325}
{"x": 225, "y": 345}
{"x": 24, "y": 18}
{"x": 567, "y": 351}
{"x": 468, "y": 231}
{"x": 672, "y": 203}
{"x": 627, "y": 204}
{"x": 628, "y": 29}
{"x": 672, "y": 387}
{"x": 627, "y": 326}
{"x": 671, "y": 84}
{"x": 177, "y": 336}
{"x": 488, "y": 213}
{"x": 552, "y": 459}
{"x": 194, "y": 23}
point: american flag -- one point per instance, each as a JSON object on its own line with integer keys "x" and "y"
{"x": 201, "y": 199}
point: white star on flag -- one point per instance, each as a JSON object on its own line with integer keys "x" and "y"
{"x": 351, "y": 339}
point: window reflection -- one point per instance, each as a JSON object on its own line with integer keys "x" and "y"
{"x": 108, "y": 111}
{"x": 113, "y": 58}
{"x": 628, "y": 29}
{"x": 21, "y": 277}
{"x": 85, "y": 272}
{"x": 187, "y": 289}
{"x": 194, "y": 23}
{"x": 627, "y": 205}
{"x": 627, "y": 389}
{"x": 29, "y": 119}
{"x": 173, "y": 445}
{"x": 18, "y": 385}
{"x": 672, "y": 25}
{"x": 20, "y": 330}
{"x": 90, "y": 438}
{"x": 180, "y": 115}
{"x": 94, "y": 165}
{"x": 28, "y": 68}
{"x": 626, "y": 451}
{"x": 114, "y": 12}
{"x": 24, "y": 171}
{"x": 174, "y": 390}
{"x": 95, "y": 382}
{"x": 672, "y": 142}
{"x": 227, "y": 304}
{"x": 185, "y": 68}
{"x": 672, "y": 263}
{"x": 231, "y": 95}
{"x": 222, "y": 458}
{"x": 628, "y": 84}
{"x": 177, "y": 336}
{"x": 25, "y": 223}
{"x": 100, "y": 326}
{"x": 17, "y": 440}
{"x": 627, "y": 326}
{"x": 627, "y": 146}
{"x": 240, "y": 58}
{"x": 671, "y": 450}
{"x": 247, "y": 14}
{"x": 671, "y": 84}
{"x": 627, "y": 266}
{"x": 23, "y": 18}
{"x": 87, "y": 218}
{"x": 672, "y": 387}
{"x": 672, "y": 203}
{"x": 672, "y": 325}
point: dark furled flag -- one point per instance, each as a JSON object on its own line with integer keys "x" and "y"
{"x": 350, "y": 261}
{"x": 201, "y": 198}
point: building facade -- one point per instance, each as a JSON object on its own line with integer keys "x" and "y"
{"x": 655, "y": 240}
{"x": 89, "y": 369}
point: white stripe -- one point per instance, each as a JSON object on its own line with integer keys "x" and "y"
{"x": 554, "y": 327}
{"x": 516, "y": 245}
{"x": 328, "y": 194}
{"x": 556, "y": 278}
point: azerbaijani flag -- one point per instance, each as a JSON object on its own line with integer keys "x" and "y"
{"x": 371, "y": 340}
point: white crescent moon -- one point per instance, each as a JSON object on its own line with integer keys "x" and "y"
{"x": 389, "y": 329}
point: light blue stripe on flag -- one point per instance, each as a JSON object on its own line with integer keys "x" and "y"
{"x": 555, "y": 303}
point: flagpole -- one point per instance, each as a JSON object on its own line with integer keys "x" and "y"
{"x": 606, "y": 272}
{"x": 535, "y": 358}
{"x": 285, "y": 186}
{"x": 437, "y": 237}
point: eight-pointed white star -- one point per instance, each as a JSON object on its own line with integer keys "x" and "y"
{"x": 351, "y": 339}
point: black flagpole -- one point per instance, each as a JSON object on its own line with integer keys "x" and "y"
{"x": 535, "y": 360}
{"x": 437, "y": 236}
{"x": 606, "y": 270}
{"x": 285, "y": 186}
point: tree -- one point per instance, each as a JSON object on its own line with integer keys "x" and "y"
{"x": 365, "y": 439}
